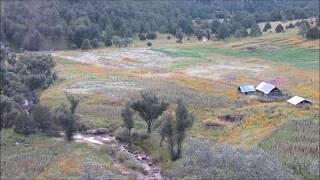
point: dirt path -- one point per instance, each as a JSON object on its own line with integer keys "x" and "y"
{"x": 152, "y": 168}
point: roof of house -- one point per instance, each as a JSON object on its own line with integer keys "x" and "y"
{"x": 296, "y": 100}
{"x": 247, "y": 88}
{"x": 265, "y": 87}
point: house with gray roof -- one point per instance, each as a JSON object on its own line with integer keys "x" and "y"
{"x": 247, "y": 89}
{"x": 268, "y": 89}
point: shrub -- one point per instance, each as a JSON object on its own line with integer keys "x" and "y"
{"x": 86, "y": 44}
{"x": 291, "y": 25}
{"x": 142, "y": 37}
{"x": 267, "y": 27}
{"x": 168, "y": 37}
{"x": 203, "y": 160}
{"x": 73, "y": 46}
{"x": 24, "y": 124}
{"x": 149, "y": 43}
{"x": 122, "y": 134}
{"x": 151, "y": 35}
{"x": 279, "y": 28}
{"x": 128, "y": 160}
{"x": 108, "y": 42}
{"x": 95, "y": 43}
{"x": 95, "y": 171}
{"x": 313, "y": 33}
{"x": 42, "y": 117}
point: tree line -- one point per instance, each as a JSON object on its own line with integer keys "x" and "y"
{"x": 57, "y": 24}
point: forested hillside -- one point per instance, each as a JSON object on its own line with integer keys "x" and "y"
{"x": 39, "y": 25}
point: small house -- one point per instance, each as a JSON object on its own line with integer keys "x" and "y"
{"x": 268, "y": 89}
{"x": 299, "y": 101}
{"x": 247, "y": 89}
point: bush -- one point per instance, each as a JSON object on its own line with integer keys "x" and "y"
{"x": 24, "y": 124}
{"x": 42, "y": 117}
{"x": 86, "y": 44}
{"x": 279, "y": 28}
{"x": 95, "y": 43}
{"x": 142, "y": 37}
{"x": 291, "y": 25}
{"x": 149, "y": 43}
{"x": 203, "y": 160}
{"x": 122, "y": 134}
{"x": 151, "y": 35}
{"x": 168, "y": 37}
{"x": 108, "y": 42}
{"x": 267, "y": 27}
{"x": 313, "y": 33}
{"x": 130, "y": 161}
{"x": 73, "y": 46}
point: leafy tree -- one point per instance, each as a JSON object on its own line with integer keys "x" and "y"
{"x": 151, "y": 35}
{"x": 255, "y": 31}
{"x": 42, "y": 117}
{"x": 95, "y": 43}
{"x": 241, "y": 33}
{"x": 67, "y": 120}
{"x": 142, "y": 37}
{"x": 149, "y": 108}
{"x": 279, "y": 28}
{"x": 24, "y": 124}
{"x": 175, "y": 130}
{"x": 86, "y": 44}
{"x": 8, "y": 111}
{"x": 179, "y": 35}
{"x": 74, "y": 102}
{"x": 108, "y": 42}
{"x": 303, "y": 28}
{"x": 214, "y": 26}
{"x": 313, "y": 33}
{"x": 223, "y": 31}
{"x": 33, "y": 40}
{"x": 127, "y": 118}
{"x": 267, "y": 26}
{"x": 200, "y": 33}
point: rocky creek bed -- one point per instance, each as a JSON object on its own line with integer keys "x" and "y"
{"x": 150, "y": 169}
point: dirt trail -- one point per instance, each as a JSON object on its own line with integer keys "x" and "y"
{"x": 152, "y": 168}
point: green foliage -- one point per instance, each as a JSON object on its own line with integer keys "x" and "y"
{"x": 108, "y": 42}
{"x": 303, "y": 27}
{"x": 86, "y": 44}
{"x": 267, "y": 26}
{"x": 179, "y": 35}
{"x": 151, "y": 35}
{"x": 149, "y": 43}
{"x": 175, "y": 130}
{"x": 24, "y": 124}
{"x": 313, "y": 33}
{"x": 279, "y": 28}
{"x": 73, "y": 101}
{"x": 223, "y": 31}
{"x": 255, "y": 31}
{"x": 127, "y": 118}
{"x": 67, "y": 120}
{"x": 42, "y": 118}
{"x": 149, "y": 108}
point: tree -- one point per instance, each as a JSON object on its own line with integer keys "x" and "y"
{"x": 149, "y": 108}
{"x": 24, "y": 124}
{"x": 42, "y": 117}
{"x": 74, "y": 102}
{"x": 67, "y": 120}
{"x": 142, "y": 37}
{"x": 290, "y": 25}
{"x": 313, "y": 33}
{"x": 179, "y": 35}
{"x": 241, "y": 33}
{"x": 223, "y": 31}
{"x": 95, "y": 43}
{"x": 86, "y": 44}
{"x": 33, "y": 40}
{"x": 108, "y": 42}
{"x": 303, "y": 28}
{"x": 279, "y": 28}
{"x": 151, "y": 35}
{"x": 255, "y": 31}
{"x": 200, "y": 33}
{"x": 175, "y": 130}
{"x": 127, "y": 119}
{"x": 267, "y": 26}
{"x": 149, "y": 43}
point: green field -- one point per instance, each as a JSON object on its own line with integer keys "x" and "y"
{"x": 299, "y": 57}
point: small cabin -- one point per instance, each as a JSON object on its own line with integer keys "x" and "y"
{"x": 247, "y": 89}
{"x": 268, "y": 89}
{"x": 299, "y": 101}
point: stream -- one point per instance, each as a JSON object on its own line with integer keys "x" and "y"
{"x": 152, "y": 168}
